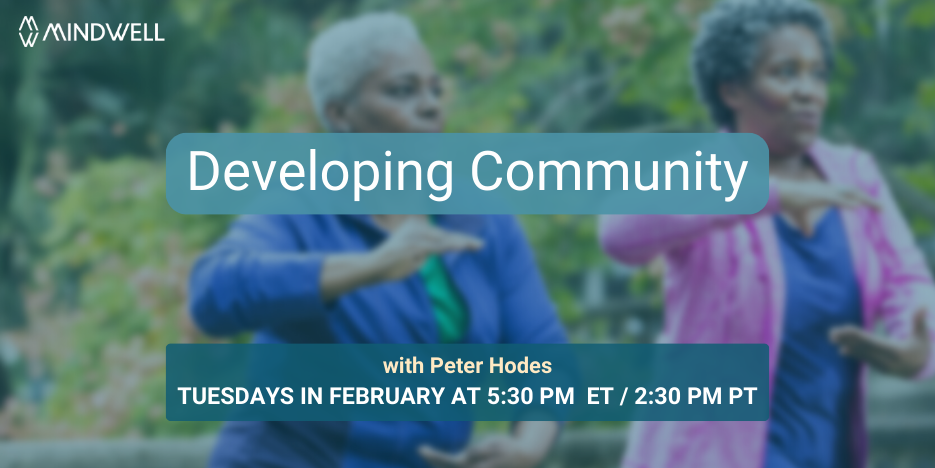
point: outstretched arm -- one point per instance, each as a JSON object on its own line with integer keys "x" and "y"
{"x": 637, "y": 239}
{"x": 907, "y": 306}
{"x": 257, "y": 276}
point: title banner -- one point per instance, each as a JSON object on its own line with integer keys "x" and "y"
{"x": 407, "y": 382}
{"x": 450, "y": 173}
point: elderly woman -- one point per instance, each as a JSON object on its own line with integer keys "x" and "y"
{"x": 810, "y": 275}
{"x": 375, "y": 279}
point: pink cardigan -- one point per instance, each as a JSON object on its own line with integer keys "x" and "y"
{"x": 724, "y": 284}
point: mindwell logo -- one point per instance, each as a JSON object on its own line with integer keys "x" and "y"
{"x": 32, "y": 31}
{"x": 89, "y": 32}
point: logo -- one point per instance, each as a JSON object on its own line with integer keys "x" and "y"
{"x": 32, "y": 31}
{"x": 89, "y": 32}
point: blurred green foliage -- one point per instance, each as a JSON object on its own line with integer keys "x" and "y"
{"x": 113, "y": 226}
{"x": 104, "y": 260}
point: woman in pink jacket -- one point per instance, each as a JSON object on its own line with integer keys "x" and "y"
{"x": 811, "y": 275}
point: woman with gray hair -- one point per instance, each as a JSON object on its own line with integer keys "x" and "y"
{"x": 376, "y": 278}
{"x": 810, "y": 275}
{"x": 373, "y": 75}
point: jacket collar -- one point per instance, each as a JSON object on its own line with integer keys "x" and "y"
{"x": 820, "y": 151}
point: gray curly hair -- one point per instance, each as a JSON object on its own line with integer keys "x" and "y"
{"x": 728, "y": 43}
{"x": 347, "y": 51}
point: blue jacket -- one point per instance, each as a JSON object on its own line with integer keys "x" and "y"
{"x": 263, "y": 276}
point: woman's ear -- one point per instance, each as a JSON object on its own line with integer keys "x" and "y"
{"x": 732, "y": 95}
{"x": 336, "y": 113}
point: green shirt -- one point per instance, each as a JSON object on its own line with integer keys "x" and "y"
{"x": 447, "y": 304}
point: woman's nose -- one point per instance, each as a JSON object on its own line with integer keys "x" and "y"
{"x": 810, "y": 88}
{"x": 429, "y": 105}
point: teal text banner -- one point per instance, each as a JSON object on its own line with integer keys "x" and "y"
{"x": 341, "y": 173}
{"x": 582, "y": 382}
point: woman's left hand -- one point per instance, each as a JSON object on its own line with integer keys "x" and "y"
{"x": 499, "y": 451}
{"x": 526, "y": 447}
{"x": 905, "y": 358}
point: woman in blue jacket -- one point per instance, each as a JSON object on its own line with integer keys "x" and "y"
{"x": 375, "y": 279}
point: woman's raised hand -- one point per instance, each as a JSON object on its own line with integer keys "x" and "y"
{"x": 904, "y": 358}
{"x": 803, "y": 195}
{"x": 399, "y": 256}
{"x": 408, "y": 246}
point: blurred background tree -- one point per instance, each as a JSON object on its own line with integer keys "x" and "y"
{"x": 93, "y": 262}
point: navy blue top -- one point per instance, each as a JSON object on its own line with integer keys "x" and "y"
{"x": 263, "y": 276}
{"x": 814, "y": 386}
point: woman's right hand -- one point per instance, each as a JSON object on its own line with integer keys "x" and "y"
{"x": 804, "y": 195}
{"x": 400, "y": 255}
{"x": 410, "y": 244}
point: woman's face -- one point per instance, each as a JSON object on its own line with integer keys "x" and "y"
{"x": 402, "y": 95}
{"x": 785, "y": 98}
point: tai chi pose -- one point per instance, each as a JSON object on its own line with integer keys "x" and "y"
{"x": 811, "y": 275}
{"x": 375, "y": 279}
